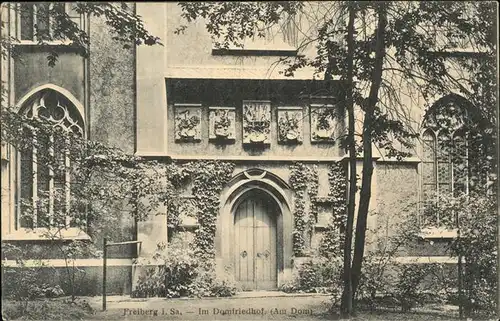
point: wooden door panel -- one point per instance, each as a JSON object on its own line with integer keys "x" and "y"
{"x": 262, "y": 251}
{"x": 244, "y": 245}
{"x": 255, "y": 245}
{"x": 266, "y": 258}
{"x": 272, "y": 259}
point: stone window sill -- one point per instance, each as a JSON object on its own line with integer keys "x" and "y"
{"x": 438, "y": 233}
{"x": 256, "y": 48}
{"x": 41, "y": 234}
{"x": 48, "y": 43}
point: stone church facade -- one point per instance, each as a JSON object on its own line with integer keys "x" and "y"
{"x": 188, "y": 101}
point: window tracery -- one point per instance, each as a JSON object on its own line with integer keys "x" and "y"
{"x": 46, "y": 185}
{"x": 444, "y": 158}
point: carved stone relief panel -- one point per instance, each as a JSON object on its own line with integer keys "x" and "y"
{"x": 187, "y": 122}
{"x": 222, "y": 126}
{"x": 323, "y": 123}
{"x": 256, "y": 122}
{"x": 290, "y": 124}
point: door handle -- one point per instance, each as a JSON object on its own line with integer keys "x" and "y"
{"x": 266, "y": 254}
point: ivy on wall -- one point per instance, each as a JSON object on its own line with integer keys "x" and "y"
{"x": 190, "y": 271}
{"x": 312, "y": 192}
{"x": 177, "y": 177}
{"x": 208, "y": 178}
{"x": 304, "y": 183}
{"x": 331, "y": 243}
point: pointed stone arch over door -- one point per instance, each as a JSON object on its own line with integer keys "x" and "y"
{"x": 270, "y": 197}
{"x": 255, "y": 241}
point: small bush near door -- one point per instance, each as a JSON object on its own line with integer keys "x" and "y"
{"x": 317, "y": 275}
{"x": 182, "y": 274}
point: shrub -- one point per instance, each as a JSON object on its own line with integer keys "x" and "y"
{"x": 151, "y": 284}
{"x": 49, "y": 291}
{"x": 477, "y": 245}
{"x": 47, "y": 310}
{"x": 289, "y": 286}
{"x": 409, "y": 288}
{"x": 317, "y": 275}
{"x": 182, "y": 274}
{"x": 310, "y": 276}
{"x": 223, "y": 287}
{"x": 172, "y": 276}
{"x": 207, "y": 284}
{"x": 386, "y": 283}
{"x": 377, "y": 280}
{"x": 23, "y": 283}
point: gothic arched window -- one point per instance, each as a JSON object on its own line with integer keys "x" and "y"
{"x": 444, "y": 159}
{"x": 42, "y": 184}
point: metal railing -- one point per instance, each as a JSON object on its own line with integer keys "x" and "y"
{"x": 104, "y": 263}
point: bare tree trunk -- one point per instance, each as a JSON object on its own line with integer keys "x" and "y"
{"x": 366, "y": 181}
{"x": 494, "y": 35}
{"x": 346, "y": 303}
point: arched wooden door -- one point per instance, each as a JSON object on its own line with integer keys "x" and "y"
{"x": 255, "y": 243}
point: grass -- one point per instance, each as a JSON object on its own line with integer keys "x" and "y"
{"x": 400, "y": 316}
{"x": 46, "y": 309}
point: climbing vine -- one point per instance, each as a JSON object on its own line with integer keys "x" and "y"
{"x": 312, "y": 192}
{"x": 331, "y": 244}
{"x": 208, "y": 182}
{"x": 190, "y": 271}
{"x": 208, "y": 178}
{"x": 304, "y": 182}
{"x": 177, "y": 176}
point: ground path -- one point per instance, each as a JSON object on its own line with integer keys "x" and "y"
{"x": 267, "y": 306}
{"x": 244, "y": 306}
